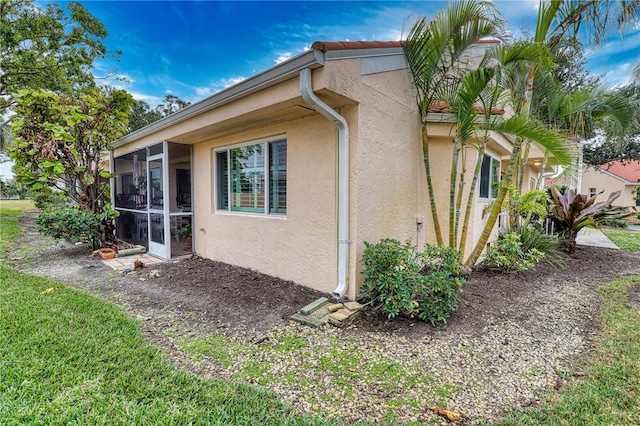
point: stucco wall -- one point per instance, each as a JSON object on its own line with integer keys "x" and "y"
{"x": 389, "y": 196}
{"x": 593, "y": 178}
{"x": 299, "y": 247}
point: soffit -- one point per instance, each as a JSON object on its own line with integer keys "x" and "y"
{"x": 269, "y": 115}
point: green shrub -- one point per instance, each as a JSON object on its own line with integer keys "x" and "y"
{"x": 508, "y": 255}
{"x": 45, "y": 198}
{"x": 550, "y": 245}
{"x": 400, "y": 280}
{"x": 613, "y": 223}
{"x": 71, "y": 224}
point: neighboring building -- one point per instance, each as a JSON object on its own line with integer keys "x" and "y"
{"x": 620, "y": 175}
{"x": 290, "y": 171}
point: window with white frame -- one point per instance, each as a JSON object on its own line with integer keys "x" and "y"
{"x": 592, "y": 192}
{"x": 489, "y": 177}
{"x": 252, "y": 178}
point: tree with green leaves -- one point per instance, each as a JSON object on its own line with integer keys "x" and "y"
{"x": 60, "y": 141}
{"x": 170, "y": 104}
{"x": 46, "y": 47}
{"x": 142, "y": 115}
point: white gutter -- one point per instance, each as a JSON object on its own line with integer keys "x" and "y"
{"x": 325, "y": 110}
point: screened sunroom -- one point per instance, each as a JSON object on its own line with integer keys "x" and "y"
{"x": 152, "y": 191}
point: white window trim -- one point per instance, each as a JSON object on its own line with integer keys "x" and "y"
{"x": 267, "y": 202}
{"x": 496, "y": 159}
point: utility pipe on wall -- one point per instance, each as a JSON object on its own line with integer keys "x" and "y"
{"x": 306, "y": 90}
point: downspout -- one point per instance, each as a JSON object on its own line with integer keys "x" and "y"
{"x": 306, "y": 90}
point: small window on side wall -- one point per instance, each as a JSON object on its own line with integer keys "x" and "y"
{"x": 252, "y": 178}
{"x": 489, "y": 177}
{"x": 592, "y": 192}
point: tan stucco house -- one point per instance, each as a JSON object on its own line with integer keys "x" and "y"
{"x": 290, "y": 171}
{"x": 614, "y": 176}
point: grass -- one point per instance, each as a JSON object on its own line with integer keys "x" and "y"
{"x": 626, "y": 240}
{"x": 9, "y": 228}
{"x": 69, "y": 358}
{"x": 610, "y": 390}
{"x": 15, "y": 207}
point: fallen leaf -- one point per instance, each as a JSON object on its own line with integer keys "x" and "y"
{"x": 49, "y": 290}
{"x": 578, "y": 374}
{"x": 452, "y": 416}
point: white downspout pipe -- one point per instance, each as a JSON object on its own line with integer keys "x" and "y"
{"x": 325, "y": 110}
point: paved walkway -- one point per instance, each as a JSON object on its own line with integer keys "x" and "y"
{"x": 125, "y": 263}
{"x": 594, "y": 237}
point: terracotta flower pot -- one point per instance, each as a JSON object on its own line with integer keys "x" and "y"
{"x": 107, "y": 253}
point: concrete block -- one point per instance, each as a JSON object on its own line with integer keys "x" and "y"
{"x": 334, "y": 307}
{"x": 314, "y": 306}
{"x": 338, "y": 316}
{"x": 309, "y": 320}
{"x": 344, "y": 311}
{"x": 353, "y": 306}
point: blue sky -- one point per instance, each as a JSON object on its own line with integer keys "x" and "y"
{"x": 195, "y": 48}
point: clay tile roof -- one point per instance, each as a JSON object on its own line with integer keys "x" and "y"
{"x": 628, "y": 170}
{"x": 487, "y": 41}
{"x": 325, "y": 46}
{"x": 441, "y": 106}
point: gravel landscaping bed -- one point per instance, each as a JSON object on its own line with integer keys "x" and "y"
{"x": 512, "y": 336}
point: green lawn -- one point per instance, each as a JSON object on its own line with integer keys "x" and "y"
{"x": 15, "y": 207}
{"x": 625, "y": 239}
{"x": 70, "y": 358}
{"x": 9, "y": 228}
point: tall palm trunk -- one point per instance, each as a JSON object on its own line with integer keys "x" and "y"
{"x": 452, "y": 193}
{"x": 432, "y": 198}
{"x": 496, "y": 207}
{"x": 460, "y": 195}
{"x": 472, "y": 193}
{"x": 543, "y": 166}
{"x": 508, "y": 176}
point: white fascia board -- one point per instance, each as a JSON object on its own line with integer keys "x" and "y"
{"x": 284, "y": 71}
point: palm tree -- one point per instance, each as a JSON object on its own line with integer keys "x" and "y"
{"x": 557, "y": 19}
{"x": 433, "y": 50}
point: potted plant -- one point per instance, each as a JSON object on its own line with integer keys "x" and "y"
{"x": 183, "y": 232}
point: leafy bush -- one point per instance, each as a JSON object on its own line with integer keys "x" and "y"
{"x": 613, "y": 223}
{"x": 401, "y": 280}
{"x": 508, "y": 255}
{"x": 13, "y": 189}
{"x": 72, "y": 224}
{"x": 547, "y": 244}
{"x": 45, "y": 198}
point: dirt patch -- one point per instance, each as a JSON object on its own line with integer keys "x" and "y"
{"x": 207, "y": 295}
{"x": 634, "y": 296}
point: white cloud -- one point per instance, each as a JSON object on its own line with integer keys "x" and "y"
{"x": 283, "y": 57}
{"x": 223, "y": 83}
{"x": 203, "y": 92}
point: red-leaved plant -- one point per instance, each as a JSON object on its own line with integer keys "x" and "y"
{"x": 571, "y": 212}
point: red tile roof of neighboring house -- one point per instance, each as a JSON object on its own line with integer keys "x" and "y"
{"x": 325, "y": 46}
{"x": 441, "y": 106}
{"x": 628, "y": 170}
